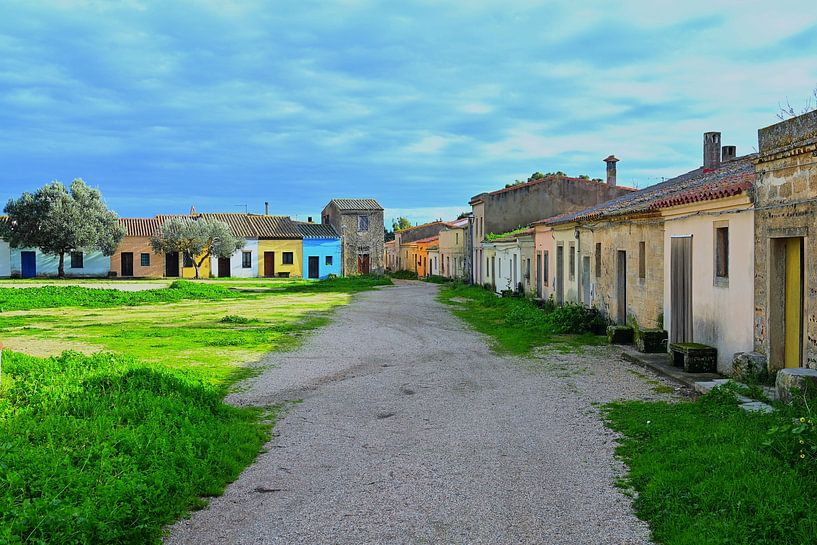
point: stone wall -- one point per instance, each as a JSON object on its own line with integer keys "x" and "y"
{"x": 786, "y": 206}
{"x": 355, "y": 242}
{"x": 507, "y": 209}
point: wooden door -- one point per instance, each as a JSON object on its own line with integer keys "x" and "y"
{"x": 794, "y": 303}
{"x": 586, "y": 280}
{"x": 127, "y": 264}
{"x": 314, "y": 267}
{"x": 363, "y": 263}
{"x": 621, "y": 287}
{"x": 681, "y": 290}
{"x": 172, "y": 264}
{"x": 223, "y": 267}
{"x": 269, "y": 264}
{"x": 28, "y": 264}
{"x": 560, "y": 274}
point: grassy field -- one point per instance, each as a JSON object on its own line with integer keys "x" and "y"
{"x": 706, "y": 473}
{"x": 109, "y": 447}
{"x": 516, "y": 325}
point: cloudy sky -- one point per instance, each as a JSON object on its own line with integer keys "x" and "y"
{"x": 420, "y": 104}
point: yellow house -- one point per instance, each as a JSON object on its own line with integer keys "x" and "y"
{"x": 280, "y": 247}
{"x": 189, "y": 271}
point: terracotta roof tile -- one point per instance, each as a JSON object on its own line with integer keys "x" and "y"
{"x": 697, "y": 185}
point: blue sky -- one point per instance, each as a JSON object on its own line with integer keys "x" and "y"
{"x": 218, "y": 104}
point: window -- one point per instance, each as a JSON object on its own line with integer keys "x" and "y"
{"x": 246, "y": 260}
{"x": 487, "y": 266}
{"x": 76, "y": 260}
{"x": 598, "y": 260}
{"x": 721, "y": 252}
{"x": 363, "y": 223}
{"x": 642, "y": 259}
{"x": 329, "y": 260}
{"x": 572, "y": 261}
{"x": 286, "y": 258}
{"x": 545, "y": 268}
{"x": 188, "y": 261}
{"x": 144, "y": 260}
{"x": 456, "y": 238}
{"x": 527, "y": 269}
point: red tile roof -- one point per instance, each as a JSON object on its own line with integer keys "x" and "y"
{"x": 241, "y": 225}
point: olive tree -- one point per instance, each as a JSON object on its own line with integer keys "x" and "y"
{"x": 58, "y": 220}
{"x": 198, "y": 239}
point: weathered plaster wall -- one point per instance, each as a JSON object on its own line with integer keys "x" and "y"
{"x": 543, "y": 246}
{"x": 785, "y": 195}
{"x": 644, "y": 295}
{"x": 452, "y": 252}
{"x": 478, "y": 254}
{"x": 138, "y": 246}
{"x": 721, "y": 310}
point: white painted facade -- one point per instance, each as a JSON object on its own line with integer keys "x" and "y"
{"x": 94, "y": 264}
{"x": 514, "y": 263}
{"x": 434, "y": 262}
{"x": 5, "y": 259}
{"x": 237, "y": 269}
{"x": 722, "y": 309}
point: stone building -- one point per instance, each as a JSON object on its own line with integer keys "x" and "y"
{"x": 675, "y": 255}
{"x": 520, "y": 205}
{"x": 405, "y": 241}
{"x": 360, "y": 225}
{"x": 785, "y": 289}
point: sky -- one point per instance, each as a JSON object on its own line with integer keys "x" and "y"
{"x": 224, "y": 105}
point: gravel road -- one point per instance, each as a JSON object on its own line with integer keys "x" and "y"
{"x": 412, "y": 431}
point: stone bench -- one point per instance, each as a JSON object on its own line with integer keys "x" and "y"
{"x": 797, "y": 382}
{"x": 694, "y": 357}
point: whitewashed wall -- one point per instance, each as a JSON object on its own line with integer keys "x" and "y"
{"x": 5, "y": 259}
{"x": 236, "y": 270}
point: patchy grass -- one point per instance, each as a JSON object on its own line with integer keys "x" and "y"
{"x": 703, "y": 475}
{"x": 516, "y": 325}
{"x": 102, "y": 449}
{"x": 110, "y": 447}
{"x": 404, "y": 275}
{"x": 54, "y": 296}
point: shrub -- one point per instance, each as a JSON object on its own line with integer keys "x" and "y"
{"x": 436, "y": 279}
{"x": 234, "y": 319}
{"x": 404, "y": 275}
{"x": 576, "y": 318}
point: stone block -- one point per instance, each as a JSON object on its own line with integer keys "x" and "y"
{"x": 794, "y": 382}
{"x": 651, "y": 341}
{"x": 694, "y": 357}
{"x": 620, "y": 334}
{"x": 747, "y": 363}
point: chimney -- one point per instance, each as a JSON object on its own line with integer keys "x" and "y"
{"x": 712, "y": 150}
{"x": 611, "y": 170}
{"x": 266, "y": 208}
{"x": 309, "y": 219}
{"x": 728, "y": 153}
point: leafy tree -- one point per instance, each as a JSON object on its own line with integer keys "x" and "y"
{"x": 58, "y": 220}
{"x": 400, "y": 223}
{"x": 198, "y": 239}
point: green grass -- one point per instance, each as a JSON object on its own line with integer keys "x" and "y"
{"x": 53, "y": 296}
{"x": 516, "y": 325}
{"x": 703, "y": 475}
{"x": 404, "y": 275}
{"x": 102, "y": 449}
{"x": 111, "y": 447}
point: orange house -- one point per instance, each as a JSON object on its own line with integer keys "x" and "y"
{"x": 422, "y": 254}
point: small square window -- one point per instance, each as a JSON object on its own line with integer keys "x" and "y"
{"x": 287, "y": 258}
{"x": 187, "y": 261}
{"x": 329, "y": 261}
{"x": 246, "y": 260}
{"x": 77, "y": 260}
{"x": 363, "y": 223}
{"x": 144, "y": 260}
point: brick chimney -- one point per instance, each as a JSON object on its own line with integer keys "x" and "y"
{"x": 266, "y": 208}
{"x": 712, "y": 150}
{"x": 728, "y": 153}
{"x": 611, "y": 170}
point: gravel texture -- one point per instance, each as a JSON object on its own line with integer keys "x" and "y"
{"x": 413, "y": 431}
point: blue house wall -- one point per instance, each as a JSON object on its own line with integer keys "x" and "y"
{"x": 322, "y": 248}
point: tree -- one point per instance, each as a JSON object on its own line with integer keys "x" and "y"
{"x": 400, "y": 223}
{"x": 787, "y": 111}
{"x": 58, "y": 220}
{"x": 197, "y": 239}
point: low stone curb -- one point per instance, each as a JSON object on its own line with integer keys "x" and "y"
{"x": 746, "y": 403}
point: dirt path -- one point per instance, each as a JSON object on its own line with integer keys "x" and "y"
{"x": 412, "y": 431}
